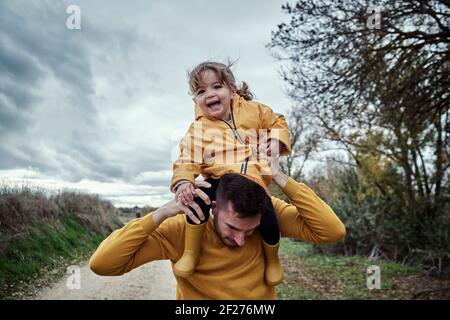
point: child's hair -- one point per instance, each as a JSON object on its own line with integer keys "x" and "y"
{"x": 225, "y": 75}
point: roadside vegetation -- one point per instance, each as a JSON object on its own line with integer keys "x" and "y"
{"x": 42, "y": 232}
{"x": 312, "y": 276}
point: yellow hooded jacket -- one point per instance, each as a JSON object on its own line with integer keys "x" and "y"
{"x": 213, "y": 147}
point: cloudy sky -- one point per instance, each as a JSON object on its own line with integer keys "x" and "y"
{"x": 101, "y": 109}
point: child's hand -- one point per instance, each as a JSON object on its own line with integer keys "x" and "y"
{"x": 268, "y": 148}
{"x": 185, "y": 193}
{"x": 273, "y": 148}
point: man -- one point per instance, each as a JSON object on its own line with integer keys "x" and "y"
{"x": 231, "y": 264}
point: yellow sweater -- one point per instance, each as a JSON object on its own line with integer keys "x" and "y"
{"x": 222, "y": 272}
{"x": 212, "y": 147}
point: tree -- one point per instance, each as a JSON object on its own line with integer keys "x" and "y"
{"x": 374, "y": 81}
{"x": 303, "y": 144}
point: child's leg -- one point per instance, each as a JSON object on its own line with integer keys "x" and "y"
{"x": 268, "y": 228}
{"x": 270, "y": 232}
{"x": 194, "y": 233}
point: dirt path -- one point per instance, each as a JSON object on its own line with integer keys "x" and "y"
{"x": 152, "y": 281}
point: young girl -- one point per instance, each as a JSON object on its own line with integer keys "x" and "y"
{"x": 228, "y": 124}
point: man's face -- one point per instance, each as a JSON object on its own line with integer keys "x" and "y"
{"x": 232, "y": 229}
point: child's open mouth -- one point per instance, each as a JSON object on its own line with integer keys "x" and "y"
{"x": 213, "y": 104}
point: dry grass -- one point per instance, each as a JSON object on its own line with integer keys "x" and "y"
{"x": 24, "y": 208}
{"x": 41, "y": 228}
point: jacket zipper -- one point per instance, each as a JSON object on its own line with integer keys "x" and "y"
{"x": 235, "y": 132}
{"x": 239, "y": 139}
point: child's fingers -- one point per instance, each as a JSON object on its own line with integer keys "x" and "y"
{"x": 262, "y": 151}
{"x": 263, "y": 145}
{"x": 182, "y": 198}
{"x": 187, "y": 191}
{"x": 187, "y": 199}
{"x": 179, "y": 196}
{"x": 189, "y": 196}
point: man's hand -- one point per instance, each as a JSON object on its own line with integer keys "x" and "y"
{"x": 173, "y": 207}
{"x": 277, "y": 175}
{"x": 273, "y": 146}
{"x": 268, "y": 147}
{"x": 263, "y": 147}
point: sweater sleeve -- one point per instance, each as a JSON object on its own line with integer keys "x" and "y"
{"x": 138, "y": 242}
{"x": 189, "y": 163}
{"x": 307, "y": 217}
{"x": 278, "y": 127}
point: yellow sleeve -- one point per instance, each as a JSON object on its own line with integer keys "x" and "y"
{"x": 138, "y": 242}
{"x": 189, "y": 163}
{"x": 278, "y": 126}
{"x": 307, "y": 217}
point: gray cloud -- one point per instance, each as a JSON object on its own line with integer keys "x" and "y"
{"x": 102, "y": 103}
{"x": 35, "y": 46}
{"x": 40, "y": 58}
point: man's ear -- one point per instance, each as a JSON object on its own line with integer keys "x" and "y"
{"x": 213, "y": 204}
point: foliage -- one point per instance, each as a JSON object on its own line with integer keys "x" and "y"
{"x": 39, "y": 229}
{"x": 377, "y": 93}
{"x": 380, "y": 227}
{"x": 312, "y": 276}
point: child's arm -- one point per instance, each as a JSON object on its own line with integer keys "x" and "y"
{"x": 278, "y": 129}
{"x": 188, "y": 165}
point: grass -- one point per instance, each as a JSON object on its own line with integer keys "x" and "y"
{"x": 44, "y": 249}
{"x": 43, "y": 231}
{"x": 310, "y": 276}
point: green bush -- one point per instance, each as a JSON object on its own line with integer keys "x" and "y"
{"x": 380, "y": 227}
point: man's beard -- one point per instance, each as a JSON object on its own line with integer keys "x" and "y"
{"x": 226, "y": 241}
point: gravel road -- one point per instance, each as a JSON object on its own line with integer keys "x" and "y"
{"x": 152, "y": 281}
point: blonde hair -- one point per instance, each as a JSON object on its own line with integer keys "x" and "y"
{"x": 224, "y": 74}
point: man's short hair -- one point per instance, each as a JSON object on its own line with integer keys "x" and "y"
{"x": 247, "y": 197}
